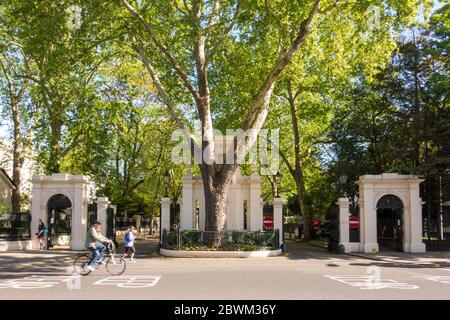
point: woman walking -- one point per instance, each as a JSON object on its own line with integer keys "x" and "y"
{"x": 41, "y": 234}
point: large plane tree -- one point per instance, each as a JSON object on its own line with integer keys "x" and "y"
{"x": 216, "y": 59}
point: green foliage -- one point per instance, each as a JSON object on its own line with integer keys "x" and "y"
{"x": 102, "y": 113}
{"x": 399, "y": 121}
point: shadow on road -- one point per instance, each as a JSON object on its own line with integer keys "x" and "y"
{"x": 303, "y": 251}
{"x": 297, "y": 250}
{"x": 145, "y": 249}
{"x": 398, "y": 264}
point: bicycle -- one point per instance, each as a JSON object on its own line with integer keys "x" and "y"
{"x": 115, "y": 264}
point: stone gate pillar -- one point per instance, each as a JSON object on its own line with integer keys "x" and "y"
{"x": 278, "y": 217}
{"x": 368, "y": 217}
{"x": 344, "y": 231}
{"x": 187, "y": 207}
{"x": 102, "y": 205}
{"x": 165, "y": 216}
{"x": 255, "y": 208}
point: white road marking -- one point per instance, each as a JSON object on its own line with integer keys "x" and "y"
{"x": 130, "y": 281}
{"x": 444, "y": 269}
{"x": 441, "y": 279}
{"x": 371, "y": 283}
{"x": 35, "y": 282}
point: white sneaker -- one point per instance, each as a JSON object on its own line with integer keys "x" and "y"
{"x": 132, "y": 261}
{"x": 91, "y": 268}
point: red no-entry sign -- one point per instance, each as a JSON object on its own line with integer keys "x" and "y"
{"x": 354, "y": 222}
{"x": 268, "y": 222}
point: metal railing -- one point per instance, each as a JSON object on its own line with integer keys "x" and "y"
{"x": 15, "y": 226}
{"x": 220, "y": 241}
{"x": 434, "y": 238}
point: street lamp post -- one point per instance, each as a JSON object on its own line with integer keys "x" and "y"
{"x": 343, "y": 180}
{"x": 102, "y": 179}
{"x": 166, "y": 183}
{"x": 277, "y": 179}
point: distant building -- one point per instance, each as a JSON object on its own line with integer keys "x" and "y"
{"x": 6, "y": 188}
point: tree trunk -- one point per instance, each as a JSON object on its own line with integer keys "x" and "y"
{"x": 17, "y": 159}
{"x": 16, "y": 195}
{"x": 306, "y": 217}
{"x": 297, "y": 170}
{"x": 215, "y": 188}
{"x": 54, "y": 163}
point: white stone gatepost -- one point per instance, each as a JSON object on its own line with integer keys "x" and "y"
{"x": 278, "y": 217}
{"x": 235, "y": 221}
{"x": 76, "y": 189}
{"x": 255, "y": 207}
{"x": 165, "y": 215}
{"x": 344, "y": 227}
{"x": 188, "y": 203}
{"x": 102, "y": 206}
{"x": 368, "y": 218}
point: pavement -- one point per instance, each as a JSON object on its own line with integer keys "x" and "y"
{"x": 303, "y": 272}
{"x": 432, "y": 259}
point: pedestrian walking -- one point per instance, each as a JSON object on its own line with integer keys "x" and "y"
{"x": 41, "y": 234}
{"x": 130, "y": 249}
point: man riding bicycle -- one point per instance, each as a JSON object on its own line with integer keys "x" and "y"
{"x": 95, "y": 243}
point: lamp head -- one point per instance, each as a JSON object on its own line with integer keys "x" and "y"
{"x": 166, "y": 177}
{"x": 278, "y": 177}
{"x": 343, "y": 178}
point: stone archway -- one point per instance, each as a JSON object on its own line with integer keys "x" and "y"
{"x": 404, "y": 190}
{"x": 390, "y": 217}
{"x": 59, "y": 220}
{"x": 390, "y": 197}
{"x": 51, "y": 198}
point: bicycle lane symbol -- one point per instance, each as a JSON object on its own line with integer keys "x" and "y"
{"x": 37, "y": 282}
{"x": 131, "y": 282}
{"x": 369, "y": 283}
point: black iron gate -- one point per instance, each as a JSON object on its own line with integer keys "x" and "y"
{"x": 92, "y": 214}
{"x": 333, "y": 228}
{"x": 390, "y": 223}
{"x": 436, "y": 234}
{"x": 111, "y": 223}
{"x": 174, "y": 216}
{"x": 59, "y": 213}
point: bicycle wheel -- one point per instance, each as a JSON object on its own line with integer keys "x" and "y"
{"x": 80, "y": 265}
{"x": 115, "y": 265}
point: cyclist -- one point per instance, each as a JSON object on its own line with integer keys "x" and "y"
{"x": 95, "y": 242}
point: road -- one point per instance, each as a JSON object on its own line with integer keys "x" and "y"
{"x": 305, "y": 272}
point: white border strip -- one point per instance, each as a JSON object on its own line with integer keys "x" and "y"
{"x": 219, "y": 254}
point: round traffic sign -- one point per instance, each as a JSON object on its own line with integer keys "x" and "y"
{"x": 268, "y": 222}
{"x": 354, "y": 222}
